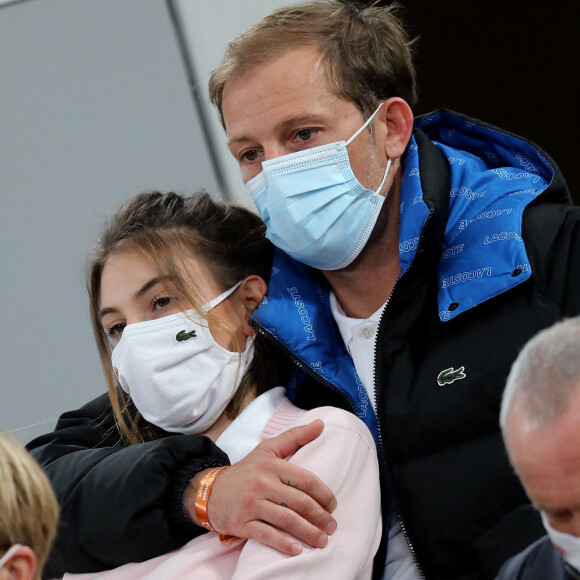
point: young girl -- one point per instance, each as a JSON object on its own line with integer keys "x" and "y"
{"x": 172, "y": 288}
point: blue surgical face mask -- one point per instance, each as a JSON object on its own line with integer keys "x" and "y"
{"x": 314, "y": 207}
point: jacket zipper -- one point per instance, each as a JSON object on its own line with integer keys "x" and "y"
{"x": 394, "y": 501}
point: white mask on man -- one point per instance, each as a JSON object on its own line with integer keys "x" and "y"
{"x": 568, "y": 544}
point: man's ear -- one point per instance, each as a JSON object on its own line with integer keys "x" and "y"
{"x": 20, "y": 566}
{"x": 395, "y": 126}
{"x": 254, "y": 289}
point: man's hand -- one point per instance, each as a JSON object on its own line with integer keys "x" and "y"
{"x": 265, "y": 498}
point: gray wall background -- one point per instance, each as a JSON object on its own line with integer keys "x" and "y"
{"x": 95, "y": 106}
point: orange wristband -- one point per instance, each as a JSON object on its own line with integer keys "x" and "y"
{"x": 202, "y": 497}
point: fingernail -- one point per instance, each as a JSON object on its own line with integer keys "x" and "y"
{"x": 332, "y": 506}
{"x": 331, "y": 528}
{"x": 322, "y": 540}
{"x": 296, "y": 548}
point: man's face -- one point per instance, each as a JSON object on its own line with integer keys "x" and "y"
{"x": 547, "y": 459}
{"x": 287, "y": 106}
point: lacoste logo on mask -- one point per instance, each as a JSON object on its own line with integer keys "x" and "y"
{"x": 450, "y": 375}
{"x": 182, "y": 335}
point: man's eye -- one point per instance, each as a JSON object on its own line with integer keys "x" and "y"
{"x": 306, "y": 134}
{"x": 251, "y": 155}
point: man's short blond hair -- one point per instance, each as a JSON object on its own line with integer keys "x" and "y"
{"x": 365, "y": 51}
{"x": 28, "y": 506}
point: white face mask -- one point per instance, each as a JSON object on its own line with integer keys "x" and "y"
{"x": 178, "y": 376}
{"x": 568, "y": 544}
{"x": 9, "y": 554}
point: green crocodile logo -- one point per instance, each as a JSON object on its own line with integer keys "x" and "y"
{"x": 450, "y": 375}
{"x": 182, "y": 335}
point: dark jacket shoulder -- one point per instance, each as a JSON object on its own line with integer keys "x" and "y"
{"x": 119, "y": 503}
{"x": 539, "y": 561}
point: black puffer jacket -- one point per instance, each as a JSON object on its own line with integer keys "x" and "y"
{"x": 118, "y": 503}
{"x": 462, "y": 505}
{"x": 447, "y": 338}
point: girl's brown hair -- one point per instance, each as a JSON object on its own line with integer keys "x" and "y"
{"x": 169, "y": 228}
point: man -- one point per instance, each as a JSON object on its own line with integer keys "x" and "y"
{"x": 432, "y": 255}
{"x": 540, "y": 421}
{"x": 424, "y": 290}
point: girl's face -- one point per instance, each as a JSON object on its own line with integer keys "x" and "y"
{"x": 132, "y": 290}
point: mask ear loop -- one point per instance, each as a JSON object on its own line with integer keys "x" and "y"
{"x": 367, "y": 122}
{"x": 347, "y": 143}
{"x": 378, "y": 191}
{"x": 9, "y": 553}
{"x": 219, "y": 299}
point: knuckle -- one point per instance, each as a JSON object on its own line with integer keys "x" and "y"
{"x": 262, "y": 460}
{"x": 308, "y": 480}
{"x": 302, "y": 503}
{"x": 264, "y": 449}
{"x": 261, "y": 483}
{"x": 255, "y": 484}
{"x": 286, "y": 518}
{"x": 261, "y": 534}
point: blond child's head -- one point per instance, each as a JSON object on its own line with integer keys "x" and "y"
{"x": 28, "y": 512}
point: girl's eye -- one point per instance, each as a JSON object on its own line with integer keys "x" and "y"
{"x": 115, "y": 331}
{"x": 305, "y": 135}
{"x": 161, "y": 302}
{"x": 251, "y": 155}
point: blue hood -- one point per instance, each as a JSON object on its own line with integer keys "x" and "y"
{"x": 494, "y": 176}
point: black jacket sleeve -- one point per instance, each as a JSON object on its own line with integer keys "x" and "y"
{"x": 119, "y": 503}
{"x": 566, "y": 266}
{"x": 552, "y": 234}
